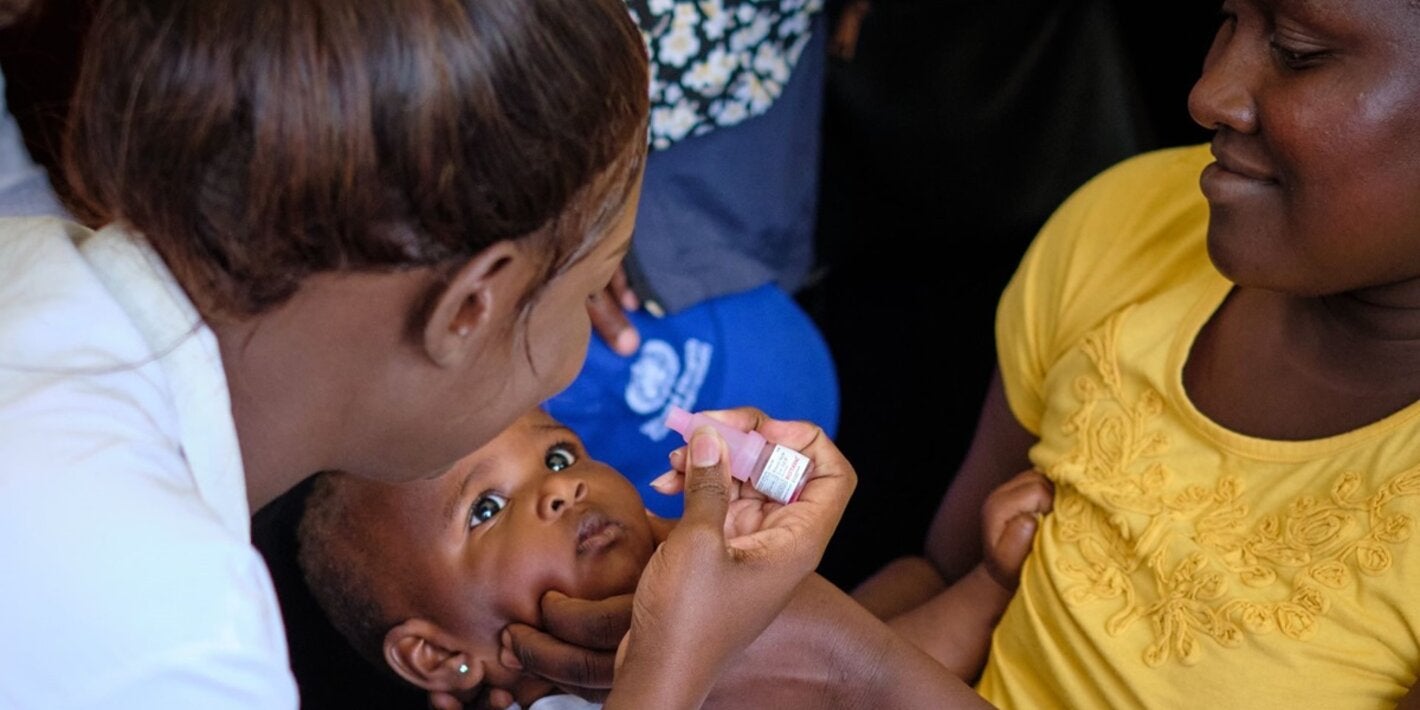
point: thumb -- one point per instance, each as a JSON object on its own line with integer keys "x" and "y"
{"x": 707, "y": 480}
{"x": 1013, "y": 546}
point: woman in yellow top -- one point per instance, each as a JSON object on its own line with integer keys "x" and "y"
{"x": 1224, "y": 386}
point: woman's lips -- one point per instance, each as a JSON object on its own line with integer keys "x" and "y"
{"x": 1220, "y": 185}
{"x": 1243, "y": 167}
{"x": 1238, "y": 171}
{"x": 596, "y": 532}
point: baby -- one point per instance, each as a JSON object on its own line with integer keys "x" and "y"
{"x": 422, "y": 577}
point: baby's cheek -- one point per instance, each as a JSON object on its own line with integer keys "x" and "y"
{"x": 519, "y": 596}
{"x": 611, "y": 576}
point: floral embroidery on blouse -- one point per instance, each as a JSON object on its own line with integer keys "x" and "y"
{"x": 1197, "y": 545}
{"x": 718, "y": 62}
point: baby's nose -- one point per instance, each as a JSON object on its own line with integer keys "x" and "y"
{"x": 559, "y": 493}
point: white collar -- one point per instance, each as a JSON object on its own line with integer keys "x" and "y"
{"x": 187, "y": 350}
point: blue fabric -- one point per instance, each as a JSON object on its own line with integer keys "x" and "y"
{"x": 735, "y": 209}
{"x": 756, "y": 348}
{"x": 24, "y": 186}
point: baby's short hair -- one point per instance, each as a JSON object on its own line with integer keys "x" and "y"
{"x": 334, "y": 551}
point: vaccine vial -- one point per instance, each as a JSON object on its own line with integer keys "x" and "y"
{"x": 778, "y": 472}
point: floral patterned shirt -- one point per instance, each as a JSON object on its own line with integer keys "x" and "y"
{"x": 717, "y": 62}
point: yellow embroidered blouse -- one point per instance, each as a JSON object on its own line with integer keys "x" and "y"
{"x": 1186, "y": 565}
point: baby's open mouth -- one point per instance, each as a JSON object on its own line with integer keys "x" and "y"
{"x": 596, "y": 532}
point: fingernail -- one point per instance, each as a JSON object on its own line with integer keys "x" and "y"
{"x": 629, "y": 301}
{"x": 664, "y": 480}
{"x": 505, "y": 652}
{"x": 704, "y": 448}
{"x": 627, "y": 341}
{"x": 677, "y": 456}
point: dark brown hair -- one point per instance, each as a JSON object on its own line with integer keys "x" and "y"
{"x": 12, "y": 11}
{"x": 256, "y": 142}
{"x": 336, "y": 550}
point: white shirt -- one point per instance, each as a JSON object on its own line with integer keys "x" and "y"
{"x": 127, "y": 577}
{"x": 561, "y": 702}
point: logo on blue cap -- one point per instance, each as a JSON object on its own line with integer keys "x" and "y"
{"x": 658, "y": 381}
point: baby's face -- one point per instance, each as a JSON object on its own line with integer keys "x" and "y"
{"x": 527, "y": 513}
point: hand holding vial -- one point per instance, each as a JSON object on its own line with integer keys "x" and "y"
{"x": 732, "y": 563}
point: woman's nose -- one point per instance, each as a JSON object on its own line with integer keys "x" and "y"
{"x": 559, "y": 493}
{"x": 1223, "y": 96}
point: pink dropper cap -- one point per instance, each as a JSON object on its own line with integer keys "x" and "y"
{"x": 744, "y": 446}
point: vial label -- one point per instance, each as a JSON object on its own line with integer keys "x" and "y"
{"x": 782, "y": 473}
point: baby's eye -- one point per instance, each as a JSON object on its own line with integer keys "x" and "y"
{"x": 560, "y": 456}
{"x": 483, "y": 509}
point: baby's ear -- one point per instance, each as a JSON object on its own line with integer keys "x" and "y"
{"x": 422, "y": 653}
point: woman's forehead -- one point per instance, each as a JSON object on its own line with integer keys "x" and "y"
{"x": 1356, "y": 13}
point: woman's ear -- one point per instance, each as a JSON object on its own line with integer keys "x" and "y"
{"x": 422, "y": 653}
{"x": 480, "y": 293}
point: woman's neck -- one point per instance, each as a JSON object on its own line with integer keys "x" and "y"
{"x": 1382, "y": 314}
{"x": 1372, "y": 333}
{"x": 1283, "y": 367}
{"x": 298, "y": 374}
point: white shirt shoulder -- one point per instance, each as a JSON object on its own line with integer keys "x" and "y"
{"x": 563, "y": 702}
{"x": 125, "y": 584}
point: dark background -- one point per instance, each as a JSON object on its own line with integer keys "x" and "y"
{"x": 948, "y": 139}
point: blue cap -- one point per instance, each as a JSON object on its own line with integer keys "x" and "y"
{"x": 756, "y": 348}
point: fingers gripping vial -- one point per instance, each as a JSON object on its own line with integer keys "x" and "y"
{"x": 774, "y": 470}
